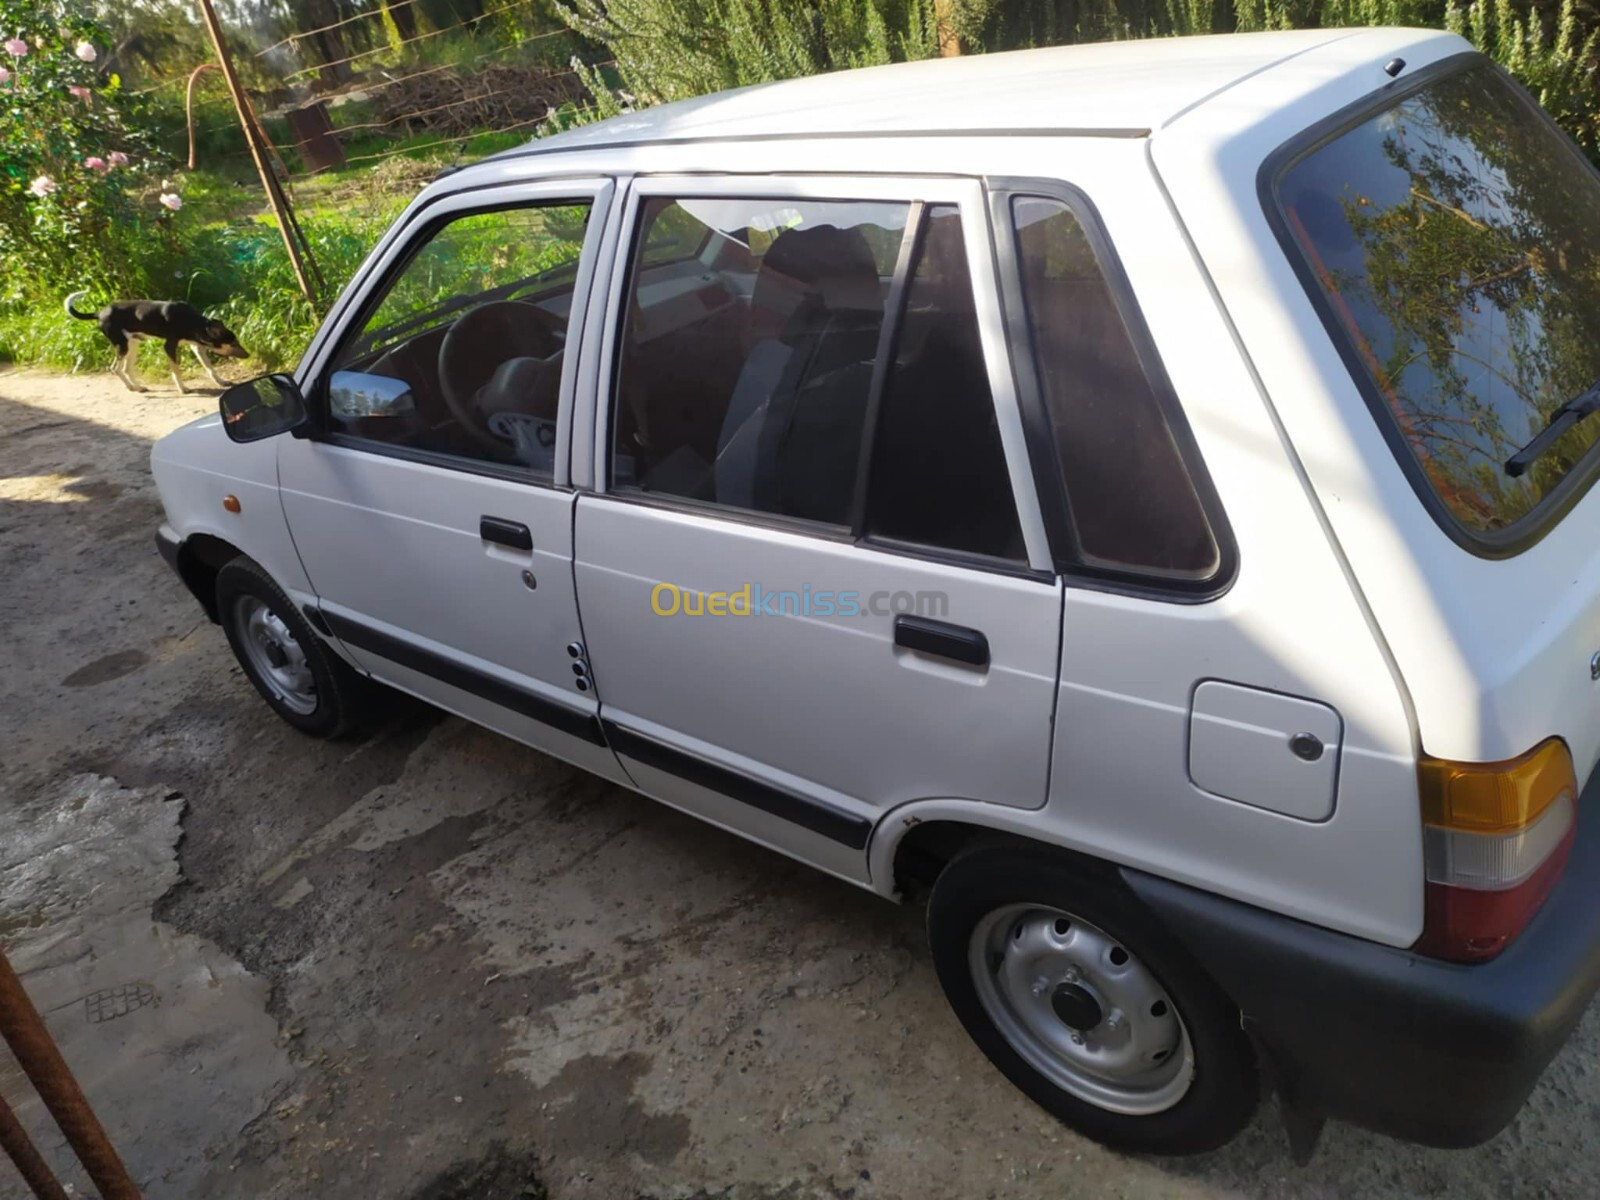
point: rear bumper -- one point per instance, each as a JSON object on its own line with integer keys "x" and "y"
{"x": 1419, "y": 1049}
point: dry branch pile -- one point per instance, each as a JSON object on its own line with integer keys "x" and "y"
{"x": 459, "y": 102}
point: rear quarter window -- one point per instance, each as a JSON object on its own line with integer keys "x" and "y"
{"x": 1453, "y": 240}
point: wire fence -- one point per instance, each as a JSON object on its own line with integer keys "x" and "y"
{"x": 394, "y": 97}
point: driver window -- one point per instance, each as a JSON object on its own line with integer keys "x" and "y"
{"x": 463, "y": 353}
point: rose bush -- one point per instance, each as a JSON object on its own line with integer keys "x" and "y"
{"x": 75, "y": 195}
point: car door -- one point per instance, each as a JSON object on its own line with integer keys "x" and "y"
{"x": 812, "y": 570}
{"x": 431, "y": 510}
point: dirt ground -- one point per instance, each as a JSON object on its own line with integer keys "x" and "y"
{"x": 435, "y": 964}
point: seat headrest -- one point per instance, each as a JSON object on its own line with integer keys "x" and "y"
{"x": 833, "y": 264}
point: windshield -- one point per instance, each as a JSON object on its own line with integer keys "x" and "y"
{"x": 1457, "y": 238}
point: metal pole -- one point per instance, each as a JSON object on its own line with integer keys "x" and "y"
{"x": 34, "y": 1170}
{"x": 30, "y": 1041}
{"x": 269, "y": 181}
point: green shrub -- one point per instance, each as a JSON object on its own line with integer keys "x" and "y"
{"x": 674, "y": 49}
{"x": 1557, "y": 66}
{"x": 76, "y": 174}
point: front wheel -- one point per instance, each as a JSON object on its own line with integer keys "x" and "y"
{"x": 295, "y": 672}
{"x": 1087, "y": 1005}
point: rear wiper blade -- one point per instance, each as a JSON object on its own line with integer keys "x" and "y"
{"x": 1563, "y": 419}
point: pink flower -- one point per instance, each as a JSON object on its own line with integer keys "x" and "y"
{"x": 171, "y": 200}
{"x": 5, "y": 76}
{"x": 85, "y": 51}
{"x": 82, "y": 93}
{"x": 42, "y": 186}
{"x": 95, "y": 163}
{"x": 17, "y": 48}
{"x": 117, "y": 158}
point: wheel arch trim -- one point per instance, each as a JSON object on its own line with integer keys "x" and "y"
{"x": 978, "y": 818}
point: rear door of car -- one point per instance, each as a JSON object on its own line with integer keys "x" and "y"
{"x": 813, "y": 577}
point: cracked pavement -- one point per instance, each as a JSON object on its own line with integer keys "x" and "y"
{"x": 431, "y": 963}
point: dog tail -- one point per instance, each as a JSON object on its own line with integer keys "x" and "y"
{"x": 72, "y": 312}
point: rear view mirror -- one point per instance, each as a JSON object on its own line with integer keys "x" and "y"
{"x": 262, "y": 408}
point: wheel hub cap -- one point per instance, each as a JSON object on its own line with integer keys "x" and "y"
{"x": 275, "y": 657}
{"x": 1076, "y": 1007}
{"x": 1081, "y": 1009}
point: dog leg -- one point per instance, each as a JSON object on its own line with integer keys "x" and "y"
{"x": 172, "y": 365}
{"x": 122, "y": 365}
{"x": 205, "y": 361}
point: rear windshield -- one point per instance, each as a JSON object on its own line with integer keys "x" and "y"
{"x": 1456, "y": 236}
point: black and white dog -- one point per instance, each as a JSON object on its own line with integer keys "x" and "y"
{"x": 126, "y": 322}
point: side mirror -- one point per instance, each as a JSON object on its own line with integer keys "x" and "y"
{"x": 262, "y": 408}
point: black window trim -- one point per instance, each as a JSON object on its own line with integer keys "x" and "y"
{"x": 420, "y": 230}
{"x": 1049, "y": 477}
{"x": 1532, "y": 527}
{"x": 854, "y": 532}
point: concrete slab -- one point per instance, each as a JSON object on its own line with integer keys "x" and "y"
{"x": 167, "y": 1035}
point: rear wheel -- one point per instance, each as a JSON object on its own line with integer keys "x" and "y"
{"x": 294, "y": 670}
{"x": 1087, "y": 1005}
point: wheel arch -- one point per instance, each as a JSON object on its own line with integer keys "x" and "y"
{"x": 912, "y": 844}
{"x": 200, "y": 557}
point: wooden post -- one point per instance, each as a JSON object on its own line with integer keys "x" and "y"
{"x": 252, "y": 137}
{"x": 945, "y": 36}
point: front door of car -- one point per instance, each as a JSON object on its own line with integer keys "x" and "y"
{"x": 431, "y": 511}
{"x": 812, "y": 571}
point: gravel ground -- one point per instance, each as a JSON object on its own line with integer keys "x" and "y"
{"x": 433, "y": 963}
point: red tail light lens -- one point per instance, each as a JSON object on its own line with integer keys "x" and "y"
{"x": 1495, "y": 839}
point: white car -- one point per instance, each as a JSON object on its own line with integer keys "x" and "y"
{"x": 1139, "y": 492}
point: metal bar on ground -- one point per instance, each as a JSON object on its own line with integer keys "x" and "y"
{"x": 19, "y": 1148}
{"x": 36, "y": 1053}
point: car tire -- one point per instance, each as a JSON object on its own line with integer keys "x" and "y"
{"x": 1086, "y": 1004}
{"x": 304, "y": 681}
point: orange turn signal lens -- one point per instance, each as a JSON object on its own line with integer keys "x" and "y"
{"x": 1499, "y": 797}
{"x": 231, "y": 503}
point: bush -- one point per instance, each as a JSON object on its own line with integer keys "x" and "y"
{"x": 674, "y": 49}
{"x": 74, "y": 171}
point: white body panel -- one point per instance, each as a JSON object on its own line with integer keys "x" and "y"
{"x": 196, "y": 466}
{"x": 829, "y": 700}
{"x": 395, "y": 546}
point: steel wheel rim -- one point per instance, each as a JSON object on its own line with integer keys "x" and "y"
{"x": 275, "y": 657}
{"x": 1081, "y": 1009}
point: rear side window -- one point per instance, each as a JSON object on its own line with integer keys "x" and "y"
{"x": 1456, "y": 240}
{"x": 1132, "y": 503}
{"x": 820, "y": 362}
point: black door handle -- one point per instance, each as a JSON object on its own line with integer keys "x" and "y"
{"x": 507, "y": 533}
{"x": 942, "y": 638}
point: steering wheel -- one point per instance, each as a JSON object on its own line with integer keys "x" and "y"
{"x": 510, "y": 338}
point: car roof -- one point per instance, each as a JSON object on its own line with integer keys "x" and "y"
{"x": 1129, "y": 89}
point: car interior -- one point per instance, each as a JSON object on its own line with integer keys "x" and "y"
{"x": 743, "y": 378}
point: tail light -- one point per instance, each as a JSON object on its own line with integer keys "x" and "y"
{"x": 1495, "y": 839}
